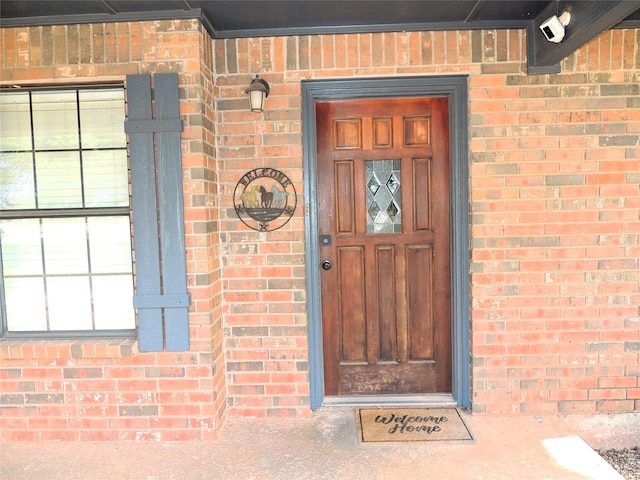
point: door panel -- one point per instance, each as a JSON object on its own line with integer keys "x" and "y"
{"x": 422, "y": 188}
{"x": 385, "y": 321}
{"x": 345, "y": 198}
{"x": 351, "y": 278}
{"x": 383, "y": 183}
{"x": 420, "y": 298}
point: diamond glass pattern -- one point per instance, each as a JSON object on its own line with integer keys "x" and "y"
{"x": 392, "y": 211}
{"x": 384, "y": 212}
{"x": 393, "y": 184}
{"x": 373, "y": 184}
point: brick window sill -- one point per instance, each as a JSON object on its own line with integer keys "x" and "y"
{"x": 27, "y": 349}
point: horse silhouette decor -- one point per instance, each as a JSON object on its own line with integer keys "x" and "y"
{"x": 265, "y": 199}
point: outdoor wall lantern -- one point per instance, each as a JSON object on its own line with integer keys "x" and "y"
{"x": 258, "y": 91}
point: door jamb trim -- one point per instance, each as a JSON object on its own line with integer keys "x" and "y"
{"x": 455, "y": 87}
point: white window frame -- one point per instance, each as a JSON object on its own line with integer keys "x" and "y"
{"x": 86, "y": 212}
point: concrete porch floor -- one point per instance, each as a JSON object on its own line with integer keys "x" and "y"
{"x": 325, "y": 446}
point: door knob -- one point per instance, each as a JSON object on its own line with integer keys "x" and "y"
{"x": 326, "y": 265}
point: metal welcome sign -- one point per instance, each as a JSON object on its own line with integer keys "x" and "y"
{"x": 265, "y": 199}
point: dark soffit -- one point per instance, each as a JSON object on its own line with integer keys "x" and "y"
{"x": 244, "y": 18}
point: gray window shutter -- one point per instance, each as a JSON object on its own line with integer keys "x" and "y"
{"x": 158, "y": 213}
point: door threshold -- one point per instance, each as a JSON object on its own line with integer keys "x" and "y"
{"x": 423, "y": 400}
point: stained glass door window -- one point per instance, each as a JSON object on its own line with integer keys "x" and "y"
{"x": 384, "y": 205}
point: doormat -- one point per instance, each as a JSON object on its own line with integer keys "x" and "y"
{"x": 391, "y": 424}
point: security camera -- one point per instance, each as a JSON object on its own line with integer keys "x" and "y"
{"x": 553, "y": 29}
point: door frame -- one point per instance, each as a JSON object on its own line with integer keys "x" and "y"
{"x": 455, "y": 88}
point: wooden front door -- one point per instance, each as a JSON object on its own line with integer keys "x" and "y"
{"x": 384, "y": 225}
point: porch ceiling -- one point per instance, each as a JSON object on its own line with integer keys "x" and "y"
{"x": 240, "y": 18}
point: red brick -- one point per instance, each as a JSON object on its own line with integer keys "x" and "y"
{"x": 617, "y": 382}
{"x": 615, "y": 406}
{"x": 571, "y": 406}
{"x": 607, "y": 394}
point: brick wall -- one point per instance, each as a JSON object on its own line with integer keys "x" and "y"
{"x": 554, "y": 199}
{"x": 106, "y": 389}
{"x": 263, "y": 273}
{"x": 555, "y": 234}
